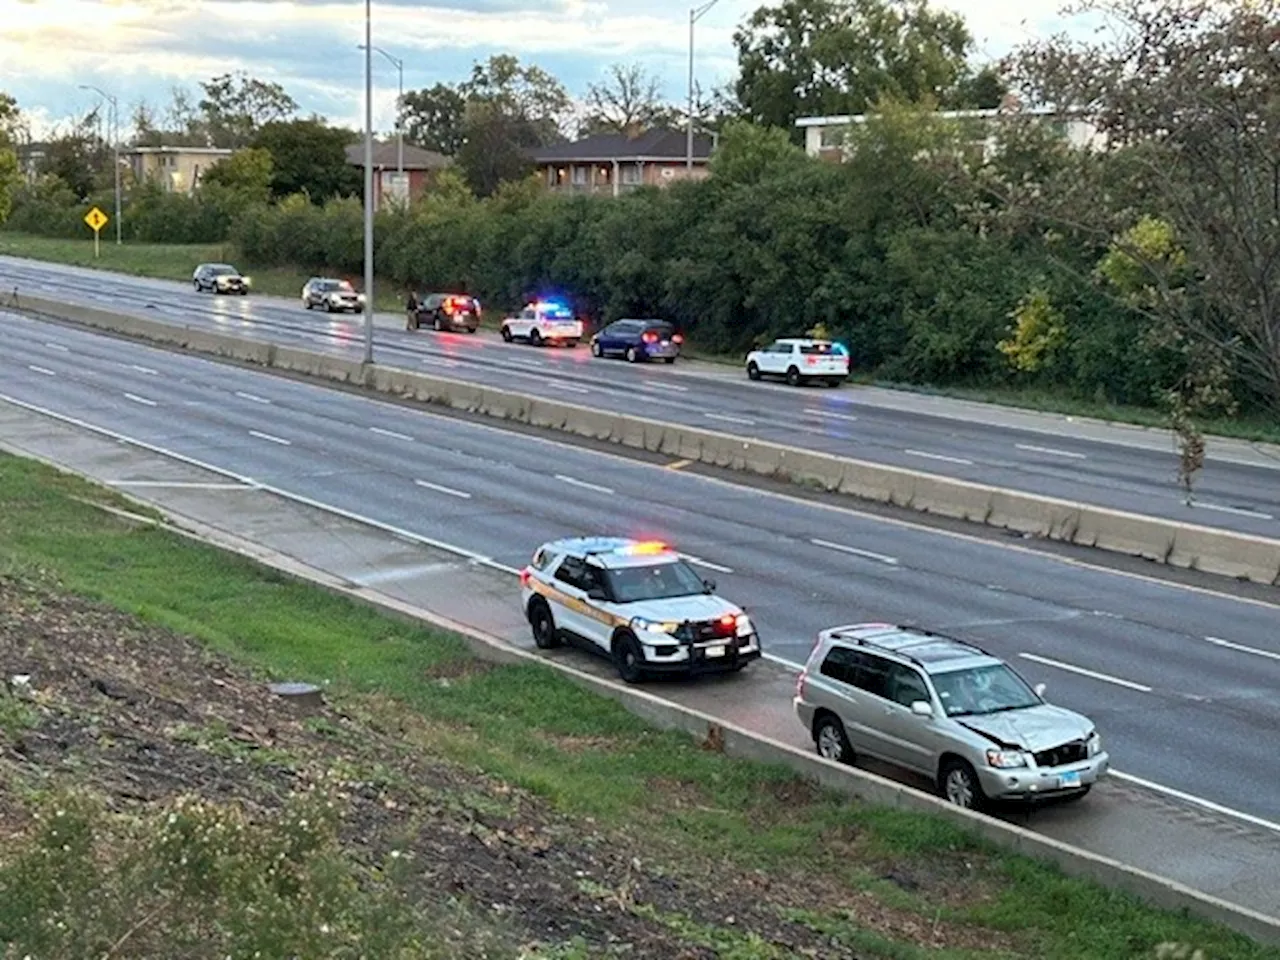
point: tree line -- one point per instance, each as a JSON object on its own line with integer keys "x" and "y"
{"x": 1143, "y": 270}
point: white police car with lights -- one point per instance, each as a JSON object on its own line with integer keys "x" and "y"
{"x": 639, "y": 602}
{"x": 543, "y": 322}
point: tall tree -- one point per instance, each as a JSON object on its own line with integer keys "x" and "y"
{"x": 509, "y": 109}
{"x": 1186, "y": 95}
{"x": 433, "y": 118}
{"x": 628, "y": 97}
{"x": 308, "y": 156}
{"x": 235, "y": 106}
{"x": 10, "y": 119}
{"x": 831, "y": 57}
{"x": 246, "y": 173}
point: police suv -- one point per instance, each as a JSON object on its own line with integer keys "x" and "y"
{"x": 636, "y": 601}
{"x": 543, "y": 322}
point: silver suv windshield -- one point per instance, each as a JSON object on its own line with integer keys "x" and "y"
{"x": 659, "y": 581}
{"x": 982, "y": 690}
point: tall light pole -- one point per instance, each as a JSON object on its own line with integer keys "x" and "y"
{"x": 695, "y": 14}
{"x": 115, "y": 138}
{"x": 399, "y": 65}
{"x": 368, "y": 181}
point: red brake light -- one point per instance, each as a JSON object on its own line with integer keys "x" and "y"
{"x": 649, "y": 337}
{"x": 678, "y": 338}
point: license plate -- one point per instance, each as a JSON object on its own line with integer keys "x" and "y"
{"x": 1070, "y": 779}
{"x": 715, "y": 651}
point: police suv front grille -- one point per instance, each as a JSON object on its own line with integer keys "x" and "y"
{"x": 1066, "y": 753}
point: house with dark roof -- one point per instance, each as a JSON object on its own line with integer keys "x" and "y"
{"x": 613, "y": 163}
{"x": 420, "y": 169}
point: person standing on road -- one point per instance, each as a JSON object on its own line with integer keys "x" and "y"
{"x": 411, "y": 310}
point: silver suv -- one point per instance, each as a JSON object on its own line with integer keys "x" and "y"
{"x": 945, "y": 709}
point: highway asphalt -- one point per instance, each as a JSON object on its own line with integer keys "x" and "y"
{"x": 1116, "y": 467}
{"x": 1181, "y": 681}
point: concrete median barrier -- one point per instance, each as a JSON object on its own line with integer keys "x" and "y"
{"x": 1209, "y": 550}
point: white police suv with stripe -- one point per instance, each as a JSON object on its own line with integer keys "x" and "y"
{"x": 636, "y": 601}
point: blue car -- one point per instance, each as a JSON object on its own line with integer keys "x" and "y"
{"x": 638, "y": 340}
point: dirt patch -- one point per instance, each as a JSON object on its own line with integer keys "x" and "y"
{"x": 143, "y": 715}
{"x": 465, "y": 669}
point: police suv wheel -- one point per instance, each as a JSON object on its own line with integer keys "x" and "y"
{"x": 438, "y": 324}
{"x": 544, "y": 626}
{"x": 628, "y": 658}
{"x": 753, "y": 372}
{"x": 793, "y": 377}
{"x": 535, "y": 338}
{"x": 506, "y": 334}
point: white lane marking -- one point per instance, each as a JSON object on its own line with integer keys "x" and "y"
{"x": 869, "y": 554}
{"x": 706, "y": 563}
{"x": 142, "y": 400}
{"x": 391, "y": 433}
{"x": 400, "y": 532}
{"x": 270, "y": 438}
{"x": 59, "y": 347}
{"x": 180, "y": 485}
{"x": 582, "y": 483}
{"x": 402, "y": 573}
{"x": 1238, "y": 511}
{"x": 826, "y": 413}
{"x": 727, "y": 419}
{"x": 1070, "y": 668}
{"x": 938, "y": 456}
{"x": 1241, "y": 648}
{"x": 442, "y": 489}
{"x": 572, "y": 388}
{"x": 45, "y": 370}
{"x": 249, "y": 396}
{"x": 1032, "y": 448}
{"x": 148, "y": 370}
{"x": 1197, "y": 801}
{"x": 649, "y": 385}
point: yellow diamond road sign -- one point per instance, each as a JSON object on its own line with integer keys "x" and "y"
{"x": 96, "y": 219}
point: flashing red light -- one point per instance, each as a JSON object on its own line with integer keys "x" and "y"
{"x": 649, "y": 337}
{"x": 728, "y": 620}
{"x": 524, "y": 577}
{"x": 811, "y": 360}
{"x": 647, "y": 547}
{"x": 678, "y": 338}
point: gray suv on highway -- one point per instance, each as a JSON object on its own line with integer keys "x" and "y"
{"x": 946, "y": 709}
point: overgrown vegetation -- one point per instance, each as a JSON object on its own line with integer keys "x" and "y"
{"x": 154, "y": 798}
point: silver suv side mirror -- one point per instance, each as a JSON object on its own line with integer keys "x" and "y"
{"x": 922, "y": 708}
{"x": 1040, "y": 688}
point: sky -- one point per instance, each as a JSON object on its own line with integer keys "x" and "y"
{"x": 141, "y": 49}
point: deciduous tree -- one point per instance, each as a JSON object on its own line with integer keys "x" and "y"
{"x": 235, "y": 106}
{"x": 834, "y": 57}
{"x": 308, "y": 156}
{"x": 1187, "y": 96}
{"x": 433, "y": 118}
{"x": 629, "y": 97}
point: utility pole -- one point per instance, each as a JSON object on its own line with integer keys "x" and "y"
{"x": 114, "y": 123}
{"x": 695, "y": 14}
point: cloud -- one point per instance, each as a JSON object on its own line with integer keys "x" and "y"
{"x": 140, "y": 49}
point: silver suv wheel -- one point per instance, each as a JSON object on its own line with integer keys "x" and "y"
{"x": 960, "y": 786}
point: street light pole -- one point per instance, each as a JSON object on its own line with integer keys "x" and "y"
{"x": 368, "y": 181}
{"x": 399, "y": 65}
{"x": 115, "y": 139}
{"x": 695, "y": 14}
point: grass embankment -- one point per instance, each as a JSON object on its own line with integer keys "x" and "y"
{"x": 175, "y": 262}
{"x": 528, "y": 810}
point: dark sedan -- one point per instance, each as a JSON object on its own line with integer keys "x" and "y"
{"x": 638, "y": 340}
{"x": 446, "y": 311}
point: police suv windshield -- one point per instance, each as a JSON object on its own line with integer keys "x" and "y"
{"x": 658, "y": 581}
{"x": 982, "y": 690}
